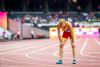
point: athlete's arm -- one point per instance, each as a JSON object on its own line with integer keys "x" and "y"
{"x": 58, "y": 30}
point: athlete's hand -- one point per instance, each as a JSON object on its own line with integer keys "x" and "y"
{"x": 61, "y": 43}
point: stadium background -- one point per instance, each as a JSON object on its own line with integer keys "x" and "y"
{"x": 37, "y": 19}
{"x": 28, "y": 33}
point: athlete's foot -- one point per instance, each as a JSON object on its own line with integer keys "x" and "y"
{"x": 59, "y": 62}
{"x": 74, "y": 62}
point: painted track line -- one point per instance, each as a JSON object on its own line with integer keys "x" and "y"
{"x": 17, "y": 45}
{"x": 85, "y": 43}
{"x": 26, "y": 48}
{"x": 81, "y": 52}
{"x": 38, "y": 63}
{"x": 27, "y": 54}
{"x": 86, "y": 54}
{"x": 98, "y": 43}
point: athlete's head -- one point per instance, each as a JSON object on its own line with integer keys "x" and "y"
{"x": 62, "y": 22}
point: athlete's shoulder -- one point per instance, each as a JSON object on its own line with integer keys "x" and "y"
{"x": 69, "y": 23}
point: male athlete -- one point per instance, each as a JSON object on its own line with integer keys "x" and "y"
{"x": 67, "y": 29}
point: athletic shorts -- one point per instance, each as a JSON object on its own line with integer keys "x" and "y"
{"x": 66, "y": 35}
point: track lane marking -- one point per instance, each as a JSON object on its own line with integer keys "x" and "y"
{"x": 27, "y": 54}
{"x": 87, "y": 54}
{"x": 46, "y": 43}
{"x": 81, "y": 52}
{"x": 15, "y": 45}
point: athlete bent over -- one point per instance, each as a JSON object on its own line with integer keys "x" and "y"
{"x": 68, "y": 32}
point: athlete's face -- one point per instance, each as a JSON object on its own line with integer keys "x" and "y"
{"x": 63, "y": 24}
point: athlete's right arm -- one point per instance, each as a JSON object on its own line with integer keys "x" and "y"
{"x": 59, "y": 35}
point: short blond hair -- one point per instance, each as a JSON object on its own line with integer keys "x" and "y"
{"x": 62, "y": 21}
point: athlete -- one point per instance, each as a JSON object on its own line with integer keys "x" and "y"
{"x": 67, "y": 29}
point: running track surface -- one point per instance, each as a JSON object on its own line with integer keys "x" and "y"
{"x": 44, "y": 53}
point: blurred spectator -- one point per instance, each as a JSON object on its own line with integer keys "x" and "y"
{"x": 32, "y": 34}
{"x": 76, "y": 24}
{"x": 52, "y": 18}
{"x": 16, "y": 35}
{"x": 27, "y": 18}
{"x": 70, "y": 19}
{"x": 4, "y": 35}
{"x": 22, "y": 20}
{"x": 79, "y": 9}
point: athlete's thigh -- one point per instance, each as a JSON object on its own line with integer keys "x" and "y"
{"x": 63, "y": 41}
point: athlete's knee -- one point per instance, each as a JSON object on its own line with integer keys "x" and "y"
{"x": 73, "y": 46}
{"x": 61, "y": 46}
{"x": 72, "y": 40}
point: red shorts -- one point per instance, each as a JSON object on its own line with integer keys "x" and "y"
{"x": 66, "y": 34}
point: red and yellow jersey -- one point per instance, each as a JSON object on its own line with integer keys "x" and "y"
{"x": 68, "y": 30}
{"x": 68, "y": 27}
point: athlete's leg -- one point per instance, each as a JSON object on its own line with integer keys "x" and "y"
{"x": 73, "y": 48}
{"x": 61, "y": 46}
{"x": 73, "y": 51}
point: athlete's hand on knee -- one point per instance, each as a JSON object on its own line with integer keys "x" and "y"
{"x": 61, "y": 43}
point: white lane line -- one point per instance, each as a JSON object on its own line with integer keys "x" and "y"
{"x": 19, "y": 42}
{"x": 14, "y": 45}
{"x": 85, "y": 43}
{"x": 46, "y": 43}
{"x": 28, "y": 54}
{"x": 20, "y": 61}
{"x": 15, "y": 61}
{"x": 87, "y": 54}
{"x": 98, "y": 43}
{"x": 32, "y": 63}
{"x": 55, "y": 53}
{"x": 11, "y": 46}
{"x": 35, "y": 51}
{"x": 27, "y": 62}
{"x": 93, "y": 52}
